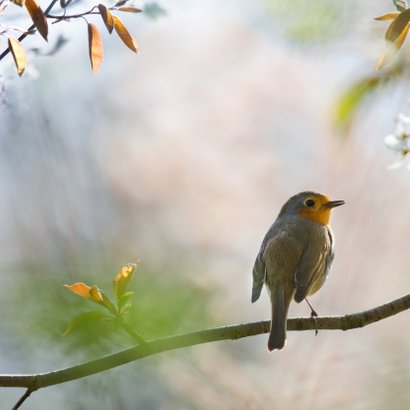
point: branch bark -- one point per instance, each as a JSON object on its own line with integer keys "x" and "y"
{"x": 37, "y": 381}
{"x": 30, "y": 29}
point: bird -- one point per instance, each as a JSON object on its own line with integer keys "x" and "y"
{"x": 295, "y": 257}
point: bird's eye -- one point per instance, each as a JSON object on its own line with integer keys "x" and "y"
{"x": 310, "y": 202}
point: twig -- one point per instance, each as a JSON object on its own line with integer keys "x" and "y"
{"x": 233, "y": 332}
{"x": 25, "y": 396}
{"x": 135, "y": 335}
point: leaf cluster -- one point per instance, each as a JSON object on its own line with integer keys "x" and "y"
{"x": 396, "y": 32}
{"x": 114, "y": 310}
{"x": 40, "y": 20}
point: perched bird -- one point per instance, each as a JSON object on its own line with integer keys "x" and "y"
{"x": 295, "y": 257}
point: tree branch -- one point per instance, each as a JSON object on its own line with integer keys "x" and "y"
{"x": 29, "y": 30}
{"x": 36, "y": 381}
{"x": 22, "y": 399}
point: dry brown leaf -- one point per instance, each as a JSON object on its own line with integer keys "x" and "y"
{"x": 95, "y": 47}
{"x": 390, "y": 51}
{"x": 124, "y": 35}
{"x": 107, "y": 17}
{"x": 38, "y": 17}
{"x": 397, "y": 26}
{"x": 19, "y": 55}
{"x": 129, "y": 9}
{"x": 388, "y": 16}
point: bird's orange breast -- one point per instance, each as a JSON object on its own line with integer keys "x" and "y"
{"x": 321, "y": 215}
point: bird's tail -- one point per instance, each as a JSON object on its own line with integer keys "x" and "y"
{"x": 280, "y": 305}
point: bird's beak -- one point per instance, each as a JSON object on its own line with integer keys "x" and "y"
{"x": 333, "y": 204}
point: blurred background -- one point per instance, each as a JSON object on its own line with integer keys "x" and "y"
{"x": 182, "y": 156}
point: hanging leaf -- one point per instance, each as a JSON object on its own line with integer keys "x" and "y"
{"x": 129, "y": 9}
{"x": 397, "y": 26}
{"x": 38, "y": 17}
{"x": 83, "y": 320}
{"x": 95, "y": 47}
{"x": 19, "y": 55}
{"x": 391, "y": 51}
{"x": 107, "y": 17}
{"x": 124, "y": 35}
{"x": 351, "y": 100}
{"x": 388, "y": 16}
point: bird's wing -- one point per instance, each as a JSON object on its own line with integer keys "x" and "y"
{"x": 281, "y": 256}
{"x": 258, "y": 273}
{"x": 313, "y": 267}
{"x": 278, "y": 258}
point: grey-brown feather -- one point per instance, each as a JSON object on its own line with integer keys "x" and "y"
{"x": 295, "y": 256}
{"x": 315, "y": 261}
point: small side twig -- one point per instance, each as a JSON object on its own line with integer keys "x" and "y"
{"x": 25, "y": 396}
{"x": 135, "y": 335}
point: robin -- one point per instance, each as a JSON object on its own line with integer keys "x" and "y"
{"x": 295, "y": 257}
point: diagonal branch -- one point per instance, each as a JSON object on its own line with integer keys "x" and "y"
{"x": 29, "y": 30}
{"x": 233, "y": 332}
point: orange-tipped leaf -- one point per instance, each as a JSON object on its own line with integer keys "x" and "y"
{"x": 95, "y": 47}
{"x": 124, "y": 35}
{"x": 80, "y": 289}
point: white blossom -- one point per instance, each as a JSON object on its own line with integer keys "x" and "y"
{"x": 399, "y": 142}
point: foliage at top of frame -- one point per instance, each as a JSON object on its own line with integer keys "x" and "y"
{"x": 40, "y": 20}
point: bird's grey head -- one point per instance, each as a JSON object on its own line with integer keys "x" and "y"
{"x": 299, "y": 201}
{"x": 310, "y": 205}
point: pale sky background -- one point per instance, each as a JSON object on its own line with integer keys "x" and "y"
{"x": 182, "y": 156}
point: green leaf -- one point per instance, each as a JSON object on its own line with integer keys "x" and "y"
{"x": 106, "y": 302}
{"x": 124, "y": 299}
{"x": 350, "y": 101}
{"x": 84, "y": 319}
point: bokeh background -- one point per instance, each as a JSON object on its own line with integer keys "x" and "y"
{"x": 181, "y": 156}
